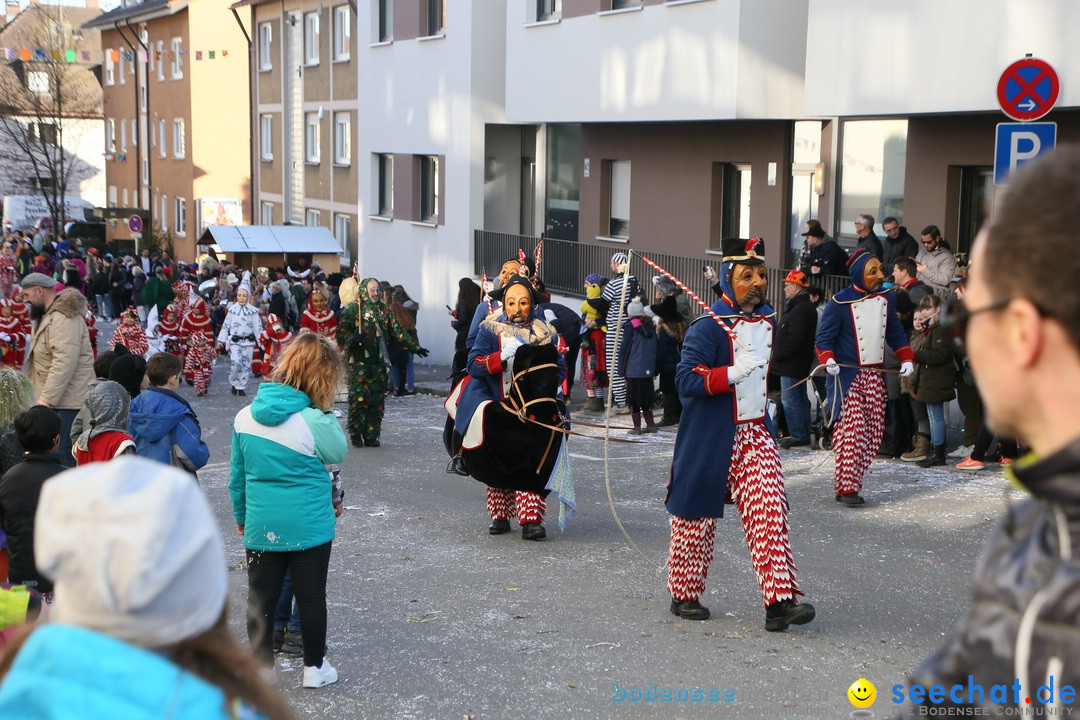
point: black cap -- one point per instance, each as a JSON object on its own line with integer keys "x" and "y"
{"x": 743, "y": 252}
{"x": 814, "y": 232}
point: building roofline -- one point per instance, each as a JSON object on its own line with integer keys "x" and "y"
{"x": 148, "y": 10}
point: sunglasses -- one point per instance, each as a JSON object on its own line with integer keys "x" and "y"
{"x": 955, "y": 317}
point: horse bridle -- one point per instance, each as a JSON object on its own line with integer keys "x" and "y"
{"x": 519, "y": 409}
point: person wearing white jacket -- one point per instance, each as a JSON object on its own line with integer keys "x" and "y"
{"x": 935, "y": 262}
{"x": 238, "y": 334}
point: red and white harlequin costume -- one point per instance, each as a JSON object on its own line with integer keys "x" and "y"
{"x": 130, "y": 333}
{"x": 197, "y": 335}
{"x": 273, "y": 341}
{"x": 91, "y": 328}
{"x": 322, "y": 323}
{"x": 13, "y": 336}
{"x": 854, "y": 328}
{"x": 725, "y": 453}
{"x": 168, "y": 329}
{"x": 7, "y": 271}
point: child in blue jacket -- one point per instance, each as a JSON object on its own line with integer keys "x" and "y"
{"x": 162, "y": 423}
{"x": 637, "y": 363}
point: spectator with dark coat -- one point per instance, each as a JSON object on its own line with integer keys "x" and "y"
{"x": 868, "y": 240}
{"x": 793, "y": 357}
{"x": 898, "y": 243}
{"x": 568, "y": 324}
{"x": 20, "y": 488}
{"x": 906, "y": 276}
{"x": 826, "y": 257}
{"x": 670, "y": 331}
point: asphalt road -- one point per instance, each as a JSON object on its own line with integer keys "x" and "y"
{"x": 431, "y": 617}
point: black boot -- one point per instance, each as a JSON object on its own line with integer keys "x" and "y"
{"x": 533, "y": 531}
{"x": 637, "y": 423}
{"x": 650, "y": 423}
{"x": 853, "y": 499}
{"x": 456, "y": 466}
{"x": 935, "y": 458}
{"x": 786, "y": 612}
{"x": 357, "y": 441}
{"x": 498, "y": 527}
{"x": 689, "y": 609}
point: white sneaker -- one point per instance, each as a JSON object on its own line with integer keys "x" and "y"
{"x": 962, "y": 452}
{"x": 316, "y": 677}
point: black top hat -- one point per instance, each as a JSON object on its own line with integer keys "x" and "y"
{"x": 667, "y": 309}
{"x": 743, "y": 252}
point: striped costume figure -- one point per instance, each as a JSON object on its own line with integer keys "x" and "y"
{"x": 725, "y": 451}
{"x": 611, "y": 293}
{"x": 851, "y": 338}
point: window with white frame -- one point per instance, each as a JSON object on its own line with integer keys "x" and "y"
{"x": 385, "y": 20}
{"x": 124, "y": 198}
{"x": 143, "y": 97}
{"x": 620, "y": 4}
{"x": 112, "y": 196}
{"x": 342, "y": 33}
{"x": 110, "y": 68}
{"x": 429, "y": 188}
{"x": 266, "y": 137}
{"x": 342, "y": 138}
{"x": 311, "y": 137}
{"x": 313, "y": 218}
{"x": 266, "y": 213}
{"x": 619, "y": 206}
{"x": 436, "y": 17}
{"x": 160, "y": 55}
{"x": 135, "y": 133}
{"x": 266, "y": 46}
{"x": 179, "y": 142}
{"x": 341, "y": 231}
{"x": 164, "y": 213}
{"x": 120, "y": 70}
{"x": 37, "y": 82}
{"x": 311, "y": 38}
{"x": 386, "y": 185}
{"x": 546, "y": 10}
{"x": 161, "y": 137}
{"x": 123, "y": 136}
{"x": 181, "y": 216}
{"x": 177, "y": 67}
{"x": 110, "y": 135}
{"x": 43, "y": 133}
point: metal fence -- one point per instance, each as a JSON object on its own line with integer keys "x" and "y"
{"x": 564, "y": 265}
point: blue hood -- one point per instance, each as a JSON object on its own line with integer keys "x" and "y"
{"x": 856, "y": 263}
{"x": 275, "y": 403}
{"x": 155, "y": 412}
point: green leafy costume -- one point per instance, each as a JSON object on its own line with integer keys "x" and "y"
{"x": 361, "y": 333}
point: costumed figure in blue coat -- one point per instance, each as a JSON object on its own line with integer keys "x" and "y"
{"x": 490, "y": 303}
{"x": 725, "y": 451}
{"x": 850, "y": 342}
{"x": 490, "y": 367}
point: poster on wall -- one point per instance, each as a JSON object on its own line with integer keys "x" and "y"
{"x": 219, "y": 211}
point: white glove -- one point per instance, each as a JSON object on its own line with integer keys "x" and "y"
{"x": 747, "y": 362}
{"x": 510, "y": 347}
{"x": 831, "y": 367}
{"x": 5, "y": 337}
{"x": 906, "y": 369}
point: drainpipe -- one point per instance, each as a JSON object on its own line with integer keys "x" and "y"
{"x": 252, "y": 85}
{"x": 149, "y": 225}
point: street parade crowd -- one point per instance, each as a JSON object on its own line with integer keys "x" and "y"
{"x": 863, "y": 374}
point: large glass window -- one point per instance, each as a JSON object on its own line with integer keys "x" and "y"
{"x": 873, "y": 155}
{"x": 563, "y": 182}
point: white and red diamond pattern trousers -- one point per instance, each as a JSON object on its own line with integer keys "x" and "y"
{"x": 857, "y": 436}
{"x": 501, "y": 504}
{"x": 756, "y": 485}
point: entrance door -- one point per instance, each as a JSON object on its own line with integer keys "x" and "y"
{"x": 976, "y": 203}
{"x": 804, "y": 206}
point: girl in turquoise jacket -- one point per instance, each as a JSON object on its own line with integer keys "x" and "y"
{"x": 281, "y": 495}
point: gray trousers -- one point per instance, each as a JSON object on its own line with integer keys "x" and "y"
{"x": 240, "y": 365}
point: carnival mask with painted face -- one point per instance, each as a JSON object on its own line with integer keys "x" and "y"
{"x": 749, "y": 283}
{"x": 241, "y": 297}
{"x": 318, "y": 301}
{"x": 373, "y": 291}
{"x": 518, "y": 304}
{"x": 5, "y": 311}
{"x": 872, "y": 274}
{"x": 508, "y": 270}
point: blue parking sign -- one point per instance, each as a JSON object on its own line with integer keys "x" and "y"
{"x": 1016, "y": 143}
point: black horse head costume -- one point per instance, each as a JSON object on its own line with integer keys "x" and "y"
{"x": 518, "y": 452}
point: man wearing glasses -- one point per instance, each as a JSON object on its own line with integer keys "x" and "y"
{"x": 1021, "y": 327}
{"x": 868, "y": 240}
{"x": 898, "y": 243}
{"x": 935, "y": 262}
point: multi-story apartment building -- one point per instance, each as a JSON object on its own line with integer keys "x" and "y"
{"x": 176, "y": 96}
{"x": 304, "y": 115}
{"x": 50, "y": 103}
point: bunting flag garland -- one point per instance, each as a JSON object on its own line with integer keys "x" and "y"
{"x": 112, "y": 55}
